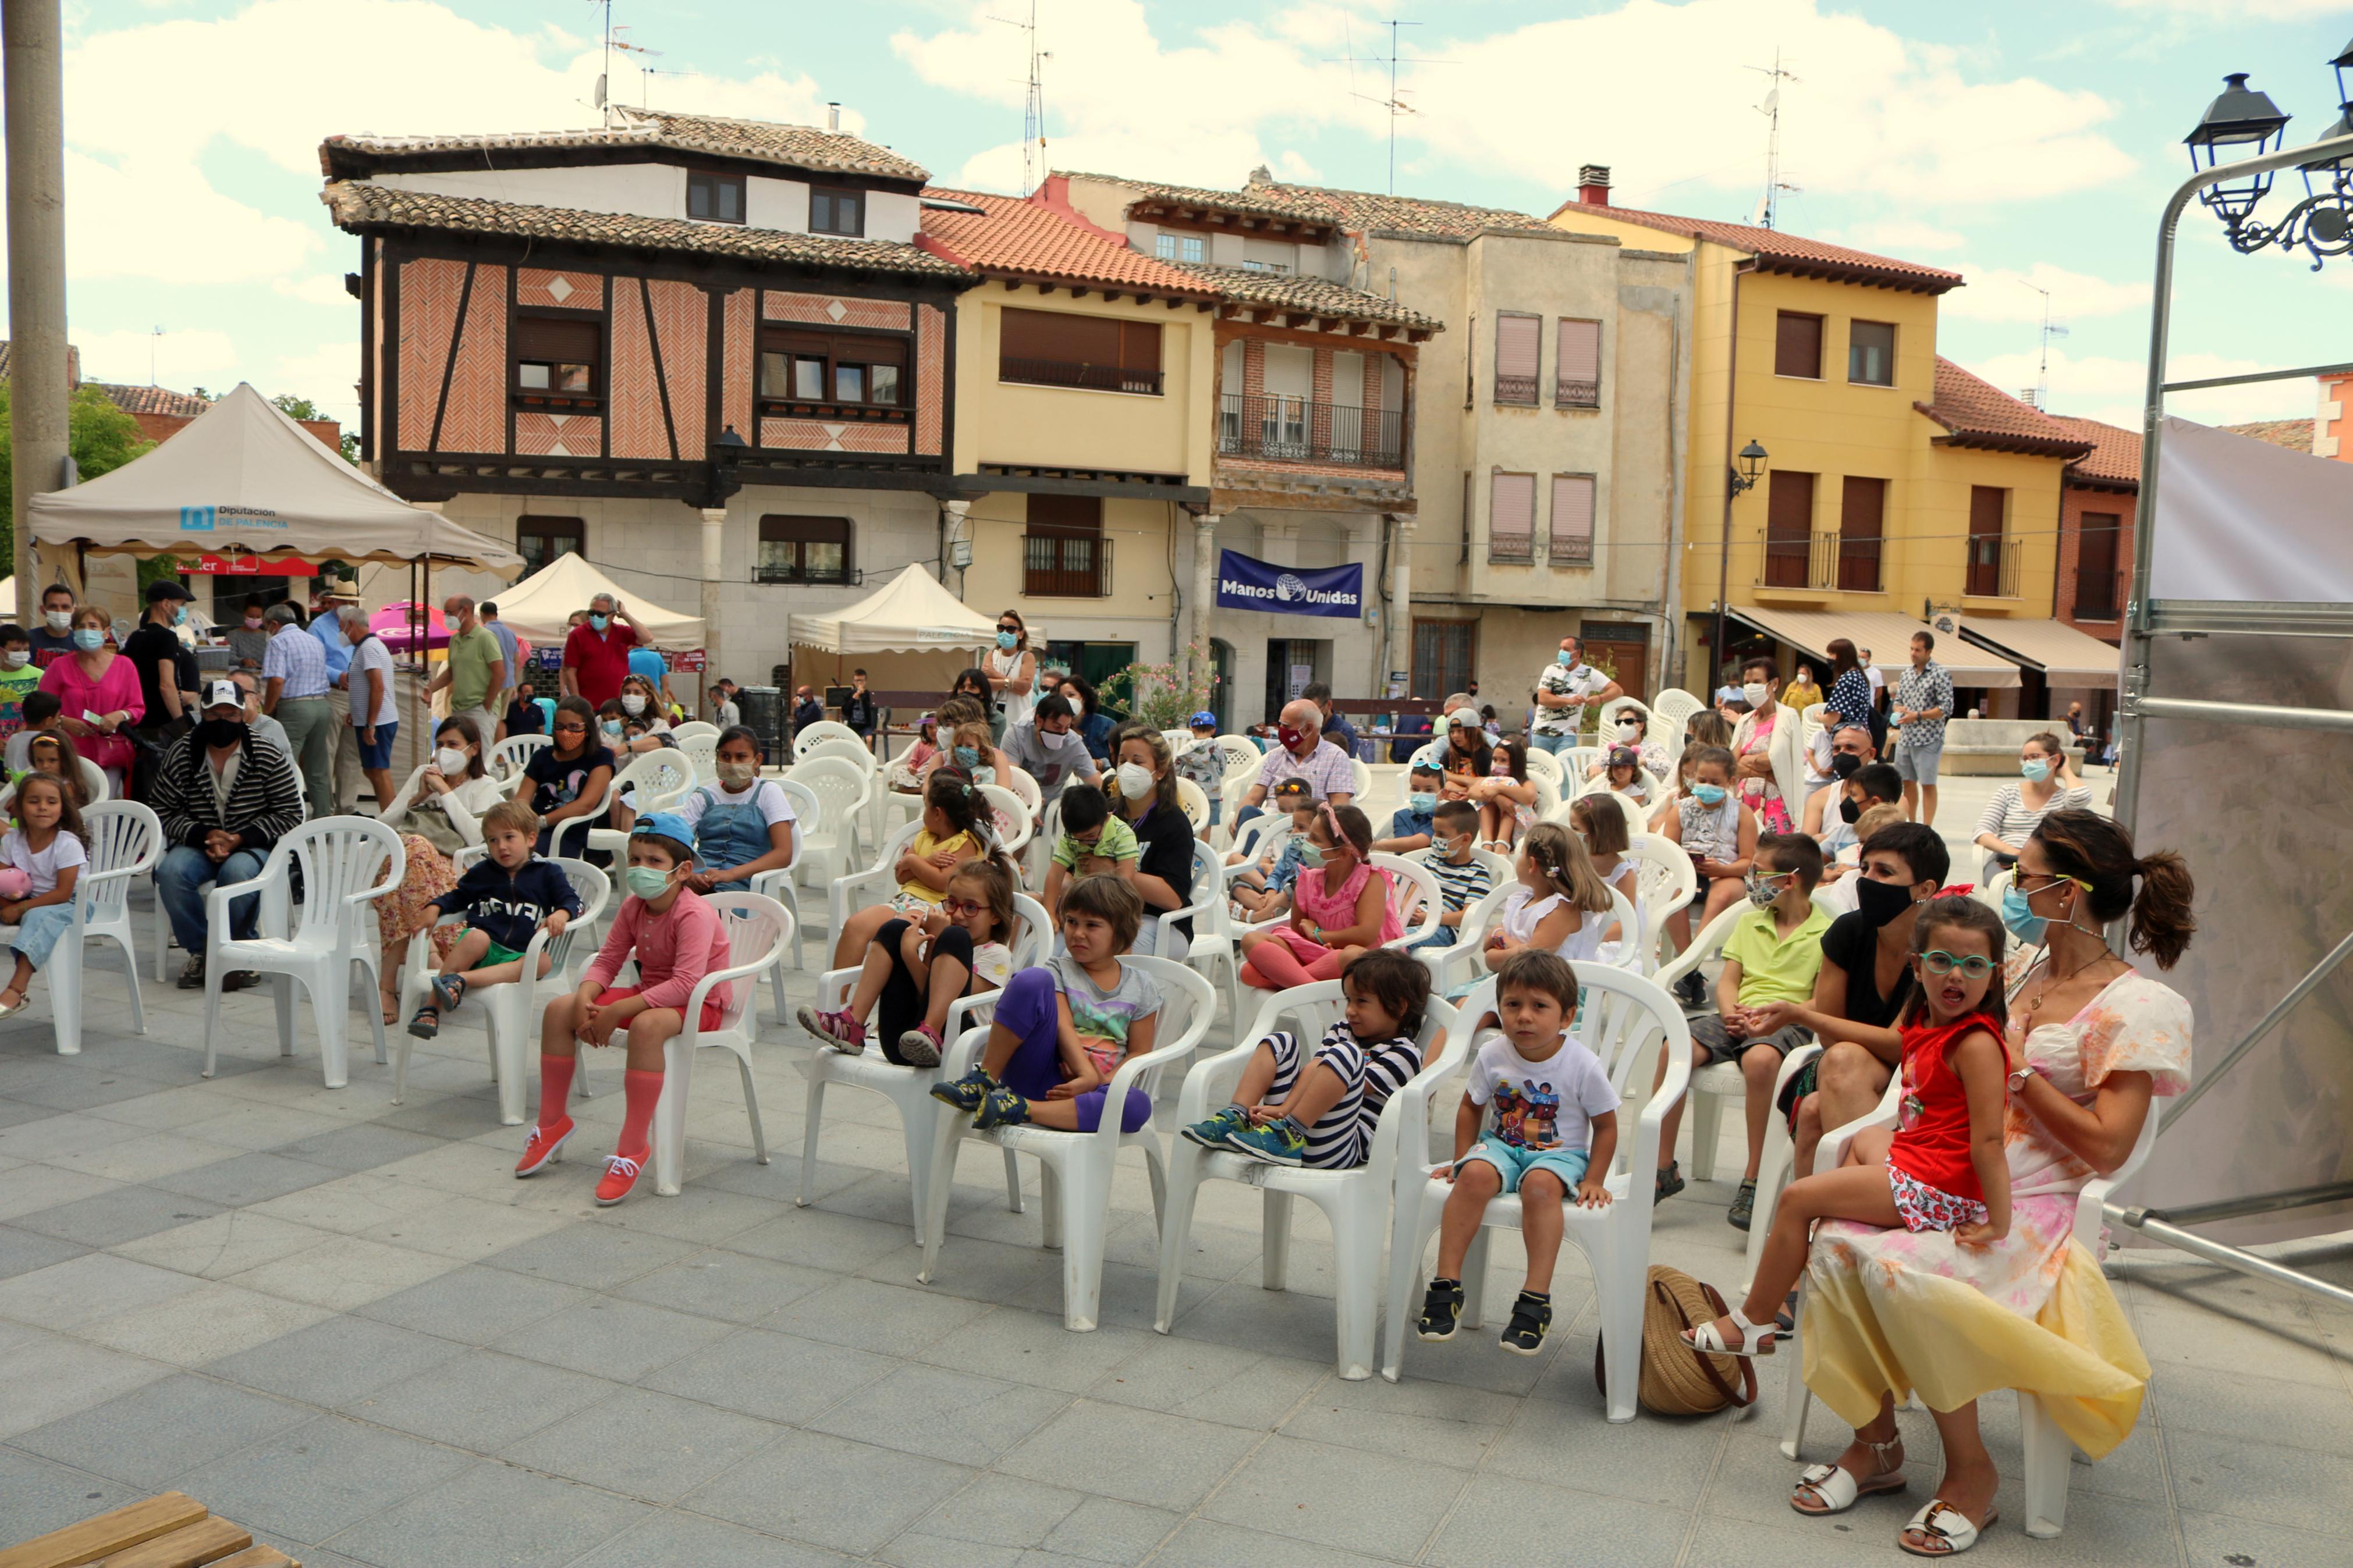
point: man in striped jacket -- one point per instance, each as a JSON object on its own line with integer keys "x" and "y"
{"x": 224, "y": 798}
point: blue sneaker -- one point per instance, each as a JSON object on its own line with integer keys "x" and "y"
{"x": 1212, "y": 1133}
{"x": 966, "y": 1092}
{"x": 1002, "y": 1108}
{"x": 1276, "y": 1142}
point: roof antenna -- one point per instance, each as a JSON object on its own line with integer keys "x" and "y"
{"x": 1034, "y": 165}
{"x": 1768, "y": 205}
{"x": 2043, "y": 370}
{"x": 1394, "y": 103}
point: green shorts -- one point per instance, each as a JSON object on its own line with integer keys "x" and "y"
{"x": 498, "y": 955}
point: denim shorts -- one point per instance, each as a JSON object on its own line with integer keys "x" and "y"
{"x": 1917, "y": 764}
{"x": 378, "y": 752}
{"x": 1514, "y": 1163}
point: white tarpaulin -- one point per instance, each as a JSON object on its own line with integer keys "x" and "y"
{"x": 2241, "y": 520}
{"x": 910, "y": 614}
{"x": 539, "y": 608}
{"x": 245, "y": 478}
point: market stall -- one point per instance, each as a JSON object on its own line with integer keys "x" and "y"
{"x": 911, "y": 635}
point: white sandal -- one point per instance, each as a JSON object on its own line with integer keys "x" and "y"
{"x": 1941, "y": 1522}
{"x": 1839, "y": 1488}
{"x": 1756, "y": 1339}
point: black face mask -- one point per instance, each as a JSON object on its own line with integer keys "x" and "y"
{"x": 1845, "y": 765}
{"x": 220, "y": 733}
{"x": 1881, "y": 901}
{"x": 1850, "y": 811}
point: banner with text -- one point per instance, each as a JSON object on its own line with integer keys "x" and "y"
{"x": 1246, "y": 583}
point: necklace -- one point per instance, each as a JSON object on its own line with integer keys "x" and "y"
{"x": 2035, "y": 1005}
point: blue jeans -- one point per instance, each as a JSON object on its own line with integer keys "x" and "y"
{"x": 1553, "y": 744}
{"x": 182, "y": 877}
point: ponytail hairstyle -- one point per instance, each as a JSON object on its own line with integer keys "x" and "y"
{"x": 988, "y": 877}
{"x": 959, "y": 800}
{"x": 1567, "y": 870}
{"x": 1516, "y": 760}
{"x": 1351, "y": 827}
{"x": 1959, "y": 912}
{"x": 2099, "y": 854}
{"x": 1153, "y": 741}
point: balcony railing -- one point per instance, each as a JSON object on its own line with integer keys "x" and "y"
{"x": 1512, "y": 548}
{"x": 1577, "y": 394}
{"x": 1571, "y": 550}
{"x": 1296, "y": 430}
{"x": 1992, "y": 570}
{"x": 1519, "y": 390}
{"x": 1072, "y": 372}
{"x": 1822, "y": 562}
{"x": 1066, "y": 565}
{"x": 2099, "y": 596}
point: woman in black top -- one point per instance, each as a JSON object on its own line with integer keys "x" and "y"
{"x": 166, "y": 669}
{"x": 566, "y": 781}
{"x": 1143, "y": 790}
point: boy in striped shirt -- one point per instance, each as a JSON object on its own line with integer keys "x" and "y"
{"x": 1463, "y": 879}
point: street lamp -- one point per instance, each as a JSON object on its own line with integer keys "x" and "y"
{"x": 1752, "y": 465}
{"x": 2244, "y": 125}
{"x": 1737, "y": 482}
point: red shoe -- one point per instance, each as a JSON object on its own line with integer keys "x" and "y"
{"x": 542, "y": 1148}
{"x": 620, "y": 1179}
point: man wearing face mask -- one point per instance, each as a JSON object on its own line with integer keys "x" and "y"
{"x": 1568, "y": 687}
{"x": 224, "y": 798}
{"x": 1303, "y": 753}
{"x": 476, "y": 668}
{"x": 597, "y": 652}
{"x": 53, "y": 637}
{"x": 806, "y": 710}
{"x": 18, "y": 680}
{"x": 1044, "y": 748}
{"x": 1851, "y": 749}
{"x": 294, "y": 692}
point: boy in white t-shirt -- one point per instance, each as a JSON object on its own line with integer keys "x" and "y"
{"x": 1551, "y": 1138}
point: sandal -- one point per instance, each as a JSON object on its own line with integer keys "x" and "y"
{"x": 10, "y": 1009}
{"x": 450, "y": 989}
{"x": 1756, "y": 1339}
{"x": 1947, "y": 1526}
{"x": 1837, "y": 1489}
{"x": 426, "y": 1024}
{"x": 1669, "y": 1181}
{"x": 1786, "y": 1319}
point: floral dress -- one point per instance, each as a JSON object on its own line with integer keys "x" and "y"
{"x": 1763, "y": 795}
{"x": 1895, "y": 1310}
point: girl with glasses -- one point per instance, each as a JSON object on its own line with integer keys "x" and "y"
{"x": 915, "y": 969}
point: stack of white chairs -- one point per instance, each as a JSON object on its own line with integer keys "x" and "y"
{"x": 854, "y": 753}
{"x": 1625, "y": 1019}
{"x": 658, "y": 780}
{"x": 1356, "y": 1202}
{"x": 759, "y": 930}
{"x": 809, "y": 737}
{"x": 694, "y": 730}
{"x": 125, "y": 840}
{"x": 1671, "y": 715}
{"x": 700, "y": 751}
{"x": 908, "y": 1089}
{"x": 1617, "y": 705}
{"x": 1545, "y": 767}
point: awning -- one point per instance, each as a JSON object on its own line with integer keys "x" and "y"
{"x": 1887, "y": 634}
{"x": 2065, "y": 656}
{"x": 910, "y": 614}
{"x": 539, "y": 608}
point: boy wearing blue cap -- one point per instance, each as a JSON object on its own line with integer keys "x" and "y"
{"x": 677, "y": 937}
{"x": 1204, "y": 762}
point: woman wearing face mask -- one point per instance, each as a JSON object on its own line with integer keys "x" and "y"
{"x": 566, "y": 781}
{"x": 640, "y": 704}
{"x": 167, "y": 671}
{"x": 1771, "y": 772}
{"x": 1011, "y": 668}
{"x": 1630, "y": 728}
{"x": 2046, "y": 782}
{"x": 744, "y": 824}
{"x": 437, "y": 813}
{"x": 1092, "y": 725}
{"x": 1143, "y": 790}
{"x": 1804, "y": 692}
{"x": 98, "y": 696}
{"x": 248, "y": 639}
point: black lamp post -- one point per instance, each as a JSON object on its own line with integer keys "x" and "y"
{"x": 1738, "y": 481}
{"x": 2245, "y": 125}
{"x": 1752, "y": 465}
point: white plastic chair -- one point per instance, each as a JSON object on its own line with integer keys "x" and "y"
{"x": 701, "y": 753}
{"x": 1038, "y": 853}
{"x": 1362, "y": 775}
{"x": 506, "y": 758}
{"x": 1012, "y": 819}
{"x": 694, "y": 730}
{"x": 1023, "y": 785}
{"x": 783, "y": 883}
{"x": 1624, "y": 1019}
{"x": 510, "y": 1014}
{"x": 1258, "y": 836}
{"x": 874, "y": 885}
{"x": 759, "y": 929}
{"x": 851, "y": 751}
{"x": 125, "y": 840}
{"x": 842, "y": 792}
{"x": 348, "y": 862}
{"x": 1414, "y": 894}
{"x": 810, "y": 738}
{"x": 1667, "y": 883}
{"x": 1451, "y": 968}
{"x": 1637, "y": 820}
{"x": 1075, "y": 1198}
{"x": 658, "y": 780}
{"x": 1810, "y": 724}
{"x": 908, "y": 1089}
{"x": 1356, "y": 1202}
{"x": 1241, "y": 753}
{"x": 1575, "y": 760}
{"x": 1544, "y": 765}
{"x": 1671, "y": 714}
{"x": 1212, "y": 945}
{"x": 1194, "y": 802}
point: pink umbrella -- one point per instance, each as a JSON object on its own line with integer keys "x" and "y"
{"x": 391, "y": 624}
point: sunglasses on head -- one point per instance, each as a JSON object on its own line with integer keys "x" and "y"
{"x": 1937, "y": 962}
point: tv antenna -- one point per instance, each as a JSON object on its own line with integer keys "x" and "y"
{"x": 1394, "y": 103}
{"x": 1768, "y": 205}
{"x": 644, "y": 77}
{"x": 1034, "y": 166}
{"x": 2042, "y": 368}
{"x": 152, "y": 339}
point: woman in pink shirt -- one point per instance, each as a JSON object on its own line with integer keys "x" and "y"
{"x": 677, "y": 938}
{"x": 98, "y": 696}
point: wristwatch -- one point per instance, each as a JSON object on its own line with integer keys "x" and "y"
{"x": 2019, "y": 1076}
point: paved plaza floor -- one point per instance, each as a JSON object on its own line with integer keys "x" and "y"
{"x": 344, "y": 1324}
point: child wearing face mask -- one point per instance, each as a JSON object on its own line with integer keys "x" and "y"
{"x": 1719, "y": 834}
{"x": 18, "y": 679}
{"x": 1463, "y": 878}
{"x": 247, "y": 638}
{"x": 1340, "y": 907}
{"x": 1411, "y": 829}
{"x": 744, "y": 824}
{"x": 970, "y": 752}
{"x": 1263, "y": 891}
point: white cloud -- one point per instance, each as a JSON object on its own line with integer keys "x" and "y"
{"x": 154, "y": 216}
{"x": 2109, "y": 388}
{"x": 2006, "y": 294}
{"x": 1898, "y": 237}
{"x": 182, "y": 358}
{"x": 327, "y": 376}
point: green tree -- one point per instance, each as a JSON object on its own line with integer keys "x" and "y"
{"x": 102, "y": 437}
{"x": 295, "y": 407}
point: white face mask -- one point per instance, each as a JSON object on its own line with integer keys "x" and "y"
{"x": 633, "y": 703}
{"x": 1628, "y": 732}
{"x": 16, "y": 660}
{"x": 449, "y": 759}
{"x": 59, "y": 620}
{"x": 1135, "y": 781}
{"x": 1756, "y": 693}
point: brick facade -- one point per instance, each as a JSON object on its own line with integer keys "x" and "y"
{"x": 2074, "y": 593}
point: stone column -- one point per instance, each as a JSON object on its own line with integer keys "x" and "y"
{"x": 714, "y": 566}
{"x": 1203, "y": 597}
{"x": 35, "y": 93}
{"x": 1399, "y": 625}
{"x": 956, "y": 528}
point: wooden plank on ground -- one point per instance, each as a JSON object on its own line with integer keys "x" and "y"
{"x": 93, "y": 1539}
{"x": 189, "y": 1547}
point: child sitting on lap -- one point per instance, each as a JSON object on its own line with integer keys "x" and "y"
{"x": 1552, "y": 1136}
{"x": 1095, "y": 842}
{"x": 506, "y": 898}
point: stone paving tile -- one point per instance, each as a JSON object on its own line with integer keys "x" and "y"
{"x": 37, "y": 1496}
{"x": 343, "y": 1272}
{"x": 161, "y": 1432}
{"x": 771, "y": 1375}
{"x": 316, "y": 1479}
{"x": 491, "y": 1513}
{"x": 1187, "y": 1458}
{"x": 844, "y": 1496}
{"x": 23, "y": 1251}
{"x": 599, "y": 1257}
{"x": 73, "y": 1295}
{"x": 125, "y": 1213}
{"x": 205, "y": 1325}
{"x": 943, "y": 1415}
{"x": 245, "y": 1179}
{"x": 482, "y": 1400}
{"x": 336, "y": 1362}
{"x": 473, "y": 1305}
{"x": 644, "y": 1445}
{"x": 46, "y": 1377}
{"x": 613, "y": 1338}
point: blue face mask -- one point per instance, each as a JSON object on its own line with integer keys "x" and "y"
{"x": 2018, "y": 917}
{"x": 968, "y": 757}
{"x": 1006, "y": 639}
{"x": 2035, "y": 769}
{"x": 1708, "y": 794}
{"x": 598, "y": 623}
{"x": 180, "y": 617}
{"x": 90, "y": 640}
{"x": 611, "y": 726}
{"x": 1568, "y": 659}
{"x": 1421, "y": 803}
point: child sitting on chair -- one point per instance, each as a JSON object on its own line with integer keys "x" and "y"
{"x": 1462, "y": 878}
{"x": 916, "y": 966}
{"x": 1413, "y": 828}
{"x": 507, "y": 897}
{"x": 1319, "y": 1108}
{"x": 1551, "y": 1139}
{"x": 1063, "y": 1029}
{"x": 677, "y": 938}
{"x": 1204, "y": 762}
{"x": 1341, "y": 904}
{"x": 41, "y": 861}
{"x": 1095, "y": 842}
{"x": 1263, "y": 891}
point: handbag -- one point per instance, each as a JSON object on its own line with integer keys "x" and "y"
{"x": 1677, "y": 1380}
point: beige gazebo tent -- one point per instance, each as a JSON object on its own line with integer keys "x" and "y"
{"x": 540, "y": 607}
{"x": 913, "y": 613}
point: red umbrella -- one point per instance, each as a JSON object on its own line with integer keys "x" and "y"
{"x": 392, "y": 624}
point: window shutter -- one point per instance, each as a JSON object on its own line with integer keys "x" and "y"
{"x": 1790, "y": 530}
{"x": 1798, "y": 345}
{"x": 1512, "y": 509}
{"x": 1572, "y": 518}
{"x": 1862, "y": 507}
{"x": 1518, "y": 346}
{"x": 1986, "y": 504}
{"x": 1578, "y": 365}
{"x": 541, "y": 338}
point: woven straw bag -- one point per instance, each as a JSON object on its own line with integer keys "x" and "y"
{"x": 1677, "y": 1380}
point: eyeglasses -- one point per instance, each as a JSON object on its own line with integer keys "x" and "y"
{"x": 573, "y": 729}
{"x": 959, "y": 908}
{"x": 1976, "y": 966}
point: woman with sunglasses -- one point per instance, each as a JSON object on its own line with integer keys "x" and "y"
{"x": 1012, "y": 668}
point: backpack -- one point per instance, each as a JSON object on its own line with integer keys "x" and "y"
{"x": 1675, "y": 1379}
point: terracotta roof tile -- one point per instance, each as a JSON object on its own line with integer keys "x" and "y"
{"x": 152, "y": 399}
{"x": 2293, "y": 433}
{"x": 2115, "y": 458}
{"x": 1777, "y": 252}
{"x": 1975, "y": 414}
{"x": 1319, "y": 296}
{"x": 357, "y": 208}
{"x": 1364, "y": 211}
{"x": 1030, "y": 240}
{"x": 768, "y": 142}
{"x": 1266, "y": 201}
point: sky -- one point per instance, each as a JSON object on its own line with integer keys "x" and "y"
{"x": 2028, "y": 144}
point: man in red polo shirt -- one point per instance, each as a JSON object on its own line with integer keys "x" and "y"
{"x": 597, "y": 653}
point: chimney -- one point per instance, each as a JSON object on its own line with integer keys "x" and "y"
{"x": 1593, "y": 185}
{"x": 833, "y": 116}
{"x": 1261, "y": 176}
{"x": 2030, "y": 397}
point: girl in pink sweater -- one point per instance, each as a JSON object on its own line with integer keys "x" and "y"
{"x": 677, "y": 938}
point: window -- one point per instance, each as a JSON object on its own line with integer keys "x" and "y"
{"x": 854, "y": 368}
{"x": 540, "y": 540}
{"x": 714, "y": 198}
{"x": 1989, "y": 508}
{"x": 2099, "y": 594}
{"x": 1798, "y": 345}
{"x": 1871, "y": 353}
{"x": 1177, "y": 247}
{"x": 1443, "y": 652}
{"x": 1064, "y": 554}
{"x": 1277, "y": 268}
{"x": 558, "y": 356}
{"x": 1788, "y": 529}
{"x": 1099, "y": 353}
{"x": 804, "y": 550}
{"x": 1576, "y": 367}
{"x": 1512, "y": 517}
{"x": 836, "y": 212}
{"x": 1863, "y": 507}
{"x": 1572, "y": 520}
{"x": 1518, "y": 345}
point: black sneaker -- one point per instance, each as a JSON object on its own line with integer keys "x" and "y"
{"x": 1744, "y": 1205}
{"x": 1669, "y": 1181}
{"x": 239, "y": 979}
{"x": 191, "y": 974}
{"x": 1531, "y": 1316}
{"x": 1691, "y": 992}
{"x": 1441, "y": 1311}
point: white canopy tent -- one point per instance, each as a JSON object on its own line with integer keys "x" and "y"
{"x": 245, "y": 478}
{"x": 539, "y": 608}
{"x": 913, "y": 613}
